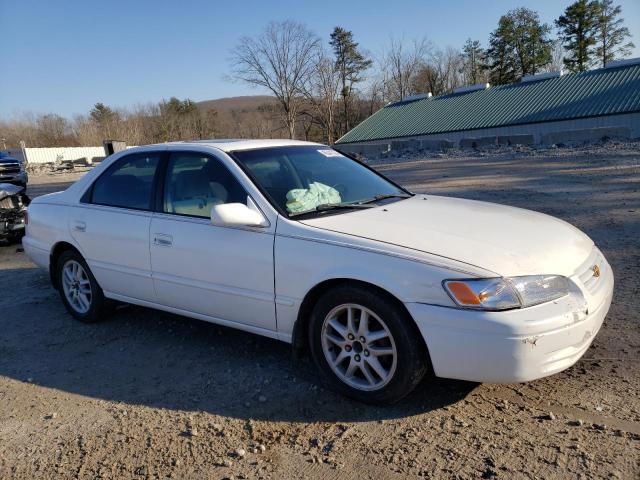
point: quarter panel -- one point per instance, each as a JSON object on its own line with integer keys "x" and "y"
{"x": 47, "y": 226}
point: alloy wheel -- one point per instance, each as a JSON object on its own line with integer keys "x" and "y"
{"x": 359, "y": 347}
{"x": 76, "y": 286}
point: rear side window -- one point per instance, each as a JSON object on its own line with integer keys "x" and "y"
{"x": 128, "y": 184}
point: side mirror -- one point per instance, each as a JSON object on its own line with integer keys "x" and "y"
{"x": 236, "y": 215}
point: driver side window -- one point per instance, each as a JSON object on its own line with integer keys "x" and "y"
{"x": 195, "y": 183}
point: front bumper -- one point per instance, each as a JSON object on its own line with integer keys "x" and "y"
{"x": 516, "y": 345}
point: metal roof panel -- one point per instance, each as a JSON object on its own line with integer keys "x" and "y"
{"x": 599, "y": 92}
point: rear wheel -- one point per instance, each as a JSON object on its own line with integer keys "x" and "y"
{"x": 82, "y": 296}
{"x": 365, "y": 345}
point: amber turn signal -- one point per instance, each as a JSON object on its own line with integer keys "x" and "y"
{"x": 464, "y": 295}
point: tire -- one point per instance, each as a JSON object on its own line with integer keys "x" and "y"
{"x": 95, "y": 306}
{"x": 379, "y": 365}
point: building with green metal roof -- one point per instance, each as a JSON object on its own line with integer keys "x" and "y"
{"x": 539, "y": 106}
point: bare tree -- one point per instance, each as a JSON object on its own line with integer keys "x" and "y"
{"x": 402, "y": 62}
{"x": 449, "y": 66}
{"x": 322, "y": 92}
{"x": 375, "y": 95}
{"x": 440, "y": 73}
{"x": 281, "y": 59}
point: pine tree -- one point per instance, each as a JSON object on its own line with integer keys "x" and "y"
{"x": 519, "y": 46}
{"x": 531, "y": 41}
{"x": 474, "y": 58}
{"x": 102, "y": 114}
{"x": 611, "y": 34}
{"x": 501, "y": 55}
{"x": 577, "y": 28}
{"x": 351, "y": 64}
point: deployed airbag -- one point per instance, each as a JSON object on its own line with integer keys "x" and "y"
{"x": 304, "y": 199}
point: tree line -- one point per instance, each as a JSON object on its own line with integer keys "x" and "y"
{"x": 322, "y": 90}
{"x": 292, "y": 63}
{"x": 168, "y": 120}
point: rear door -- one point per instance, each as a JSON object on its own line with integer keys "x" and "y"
{"x": 224, "y": 273}
{"x": 111, "y": 226}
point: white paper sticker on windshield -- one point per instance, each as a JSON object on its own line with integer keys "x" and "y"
{"x": 330, "y": 153}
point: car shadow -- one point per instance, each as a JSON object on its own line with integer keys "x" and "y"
{"x": 146, "y": 357}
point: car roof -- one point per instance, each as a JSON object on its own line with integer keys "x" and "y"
{"x": 230, "y": 145}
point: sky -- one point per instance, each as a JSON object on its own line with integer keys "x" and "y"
{"x": 64, "y": 56}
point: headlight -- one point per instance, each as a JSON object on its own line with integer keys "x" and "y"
{"x": 506, "y": 293}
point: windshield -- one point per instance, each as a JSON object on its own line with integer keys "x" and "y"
{"x": 299, "y": 179}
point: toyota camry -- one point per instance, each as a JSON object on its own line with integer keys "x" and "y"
{"x": 298, "y": 242}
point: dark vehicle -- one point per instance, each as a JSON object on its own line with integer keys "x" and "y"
{"x": 12, "y": 170}
{"x": 13, "y": 210}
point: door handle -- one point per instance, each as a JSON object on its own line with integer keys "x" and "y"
{"x": 79, "y": 226}
{"x": 162, "y": 240}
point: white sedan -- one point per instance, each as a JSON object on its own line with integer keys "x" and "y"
{"x": 295, "y": 241}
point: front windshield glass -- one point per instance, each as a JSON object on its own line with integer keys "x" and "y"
{"x": 300, "y": 179}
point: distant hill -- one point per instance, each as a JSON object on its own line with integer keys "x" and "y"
{"x": 245, "y": 103}
{"x": 251, "y": 116}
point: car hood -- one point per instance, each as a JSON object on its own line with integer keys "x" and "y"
{"x": 506, "y": 240}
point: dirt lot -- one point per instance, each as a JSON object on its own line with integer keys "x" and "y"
{"x": 154, "y": 395}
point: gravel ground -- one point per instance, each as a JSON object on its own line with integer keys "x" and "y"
{"x": 153, "y": 395}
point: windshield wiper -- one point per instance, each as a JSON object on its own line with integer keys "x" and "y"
{"x": 323, "y": 207}
{"x": 384, "y": 197}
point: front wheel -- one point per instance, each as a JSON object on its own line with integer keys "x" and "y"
{"x": 80, "y": 293}
{"x": 365, "y": 345}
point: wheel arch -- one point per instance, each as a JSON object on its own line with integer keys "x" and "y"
{"x": 300, "y": 328}
{"x": 57, "y": 250}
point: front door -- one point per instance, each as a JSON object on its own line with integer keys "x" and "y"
{"x": 222, "y": 273}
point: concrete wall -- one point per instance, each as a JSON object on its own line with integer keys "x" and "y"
{"x": 66, "y": 154}
{"x": 623, "y": 126}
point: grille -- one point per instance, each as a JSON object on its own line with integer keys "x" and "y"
{"x": 585, "y": 273}
{"x": 9, "y": 167}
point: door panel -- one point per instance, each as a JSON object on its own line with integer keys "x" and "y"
{"x": 111, "y": 226}
{"x": 221, "y": 272}
{"x": 115, "y": 244}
